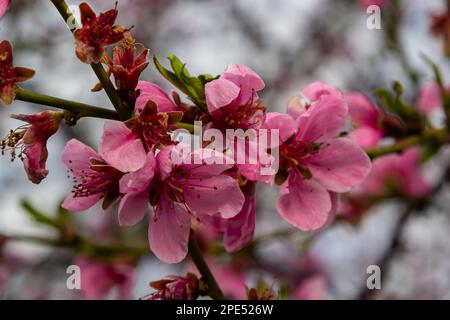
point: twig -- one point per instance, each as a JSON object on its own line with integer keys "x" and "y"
{"x": 194, "y": 251}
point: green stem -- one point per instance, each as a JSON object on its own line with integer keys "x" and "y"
{"x": 77, "y": 108}
{"x": 207, "y": 276}
{"x": 102, "y": 76}
{"x": 435, "y": 136}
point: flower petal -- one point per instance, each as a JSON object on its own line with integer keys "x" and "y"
{"x": 216, "y": 194}
{"x": 76, "y": 156}
{"x": 169, "y": 232}
{"x": 304, "y": 203}
{"x": 153, "y": 92}
{"x": 120, "y": 148}
{"x": 133, "y": 207}
{"x": 325, "y": 119}
{"x": 77, "y": 204}
{"x": 339, "y": 165}
{"x": 220, "y": 93}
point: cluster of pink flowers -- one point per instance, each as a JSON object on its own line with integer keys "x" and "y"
{"x": 135, "y": 160}
{"x": 318, "y": 154}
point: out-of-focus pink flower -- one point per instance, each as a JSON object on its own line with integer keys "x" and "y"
{"x": 97, "y": 176}
{"x": 379, "y": 3}
{"x": 366, "y": 120}
{"x": 396, "y": 173}
{"x": 313, "y": 160}
{"x": 176, "y": 288}
{"x": 430, "y": 98}
{"x": 98, "y": 279}
{"x": 125, "y": 66}
{"x": 178, "y": 191}
{"x": 3, "y": 7}
{"x": 96, "y": 33}
{"x": 440, "y": 27}
{"x": 152, "y": 92}
{"x": 29, "y": 142}
{"x": 232, "y": 102}
{"x": 237, "y": 231}
{"x": 312, "y": 288}
{"x": 9, "y": 75}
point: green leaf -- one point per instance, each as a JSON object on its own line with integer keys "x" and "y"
{"x": 37, "y": 215}
{"x": 179, "y": 76}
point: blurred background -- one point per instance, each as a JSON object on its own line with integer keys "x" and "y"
{"x": 289, "y": 43}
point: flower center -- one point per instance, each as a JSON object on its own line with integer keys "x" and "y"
{"x": 100, "y": 178}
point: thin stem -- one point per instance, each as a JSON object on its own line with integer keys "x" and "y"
{"x": 102, "y": 76}
{"x": 79, "y": 109}
{"x": 202, "y": 266}
{"x": 437, "y": 136}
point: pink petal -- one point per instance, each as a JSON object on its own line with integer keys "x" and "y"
{"x": 209, "y": 163}
{"x": 220, "y": 93}
{"x": 414, "y": 182}
{"x": 312, "y": 288}
{"x": 324, "y": 120}
{"x": 247, "y": 80}
{"x": 296, "y": 107}
{"x": 164, "y": 161}
{"x": 151, "y": 91}
{"x": 120, "y": 148}
{"x": 76, "y": 156}
{"x": 361, "y": 110}
{"x": 339, "y": 165}
{"x": 383, "y": 168}
{"x": 304, "y": 203}
{"x": 430, "y": 98}
{"x": 366, "y": 137}
{"x": 133, "y": 207}
{"x": 239, "y": 230}
{"x": 216, "y": 194}
{"x": 139, "y": 180}
{"x": 169, "y": 232}
{"x": 254, "y": 164}
{"x": 314, "y": 91}
{"x": 77, "y": 204}
{"x": 284, "y": 123}
{"x": 3, "y": 7}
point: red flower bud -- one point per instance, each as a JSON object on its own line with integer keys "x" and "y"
{"x": 10, "y": 75}
{"x": 31, "y": 141}
{"x": 176, "y": 288}
{"x": 96, "y": 33}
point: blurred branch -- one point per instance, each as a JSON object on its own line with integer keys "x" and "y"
{"x": 436, "y": 136}
{"x": 392, "y": 249}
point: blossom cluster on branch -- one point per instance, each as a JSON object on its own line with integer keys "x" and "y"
{"x": 316, "y": 155}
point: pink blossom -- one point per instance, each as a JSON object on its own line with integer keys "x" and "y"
{"x": 232, "y": 102}
{"x": 3, "y": 7}
{"x": 430, "y": 98}
{"x": 98, "y": 279}
{"x": 313, "y": 160}
{"x": 366, "y": 120}
{"x": 97, "y": 176}
{"x": 400, "y": 173}
{"x": 177, "y": 192}
{"x": 30, "y": 141}
{"x": 312, "y": 288}
{"x": 176, "y": 288}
